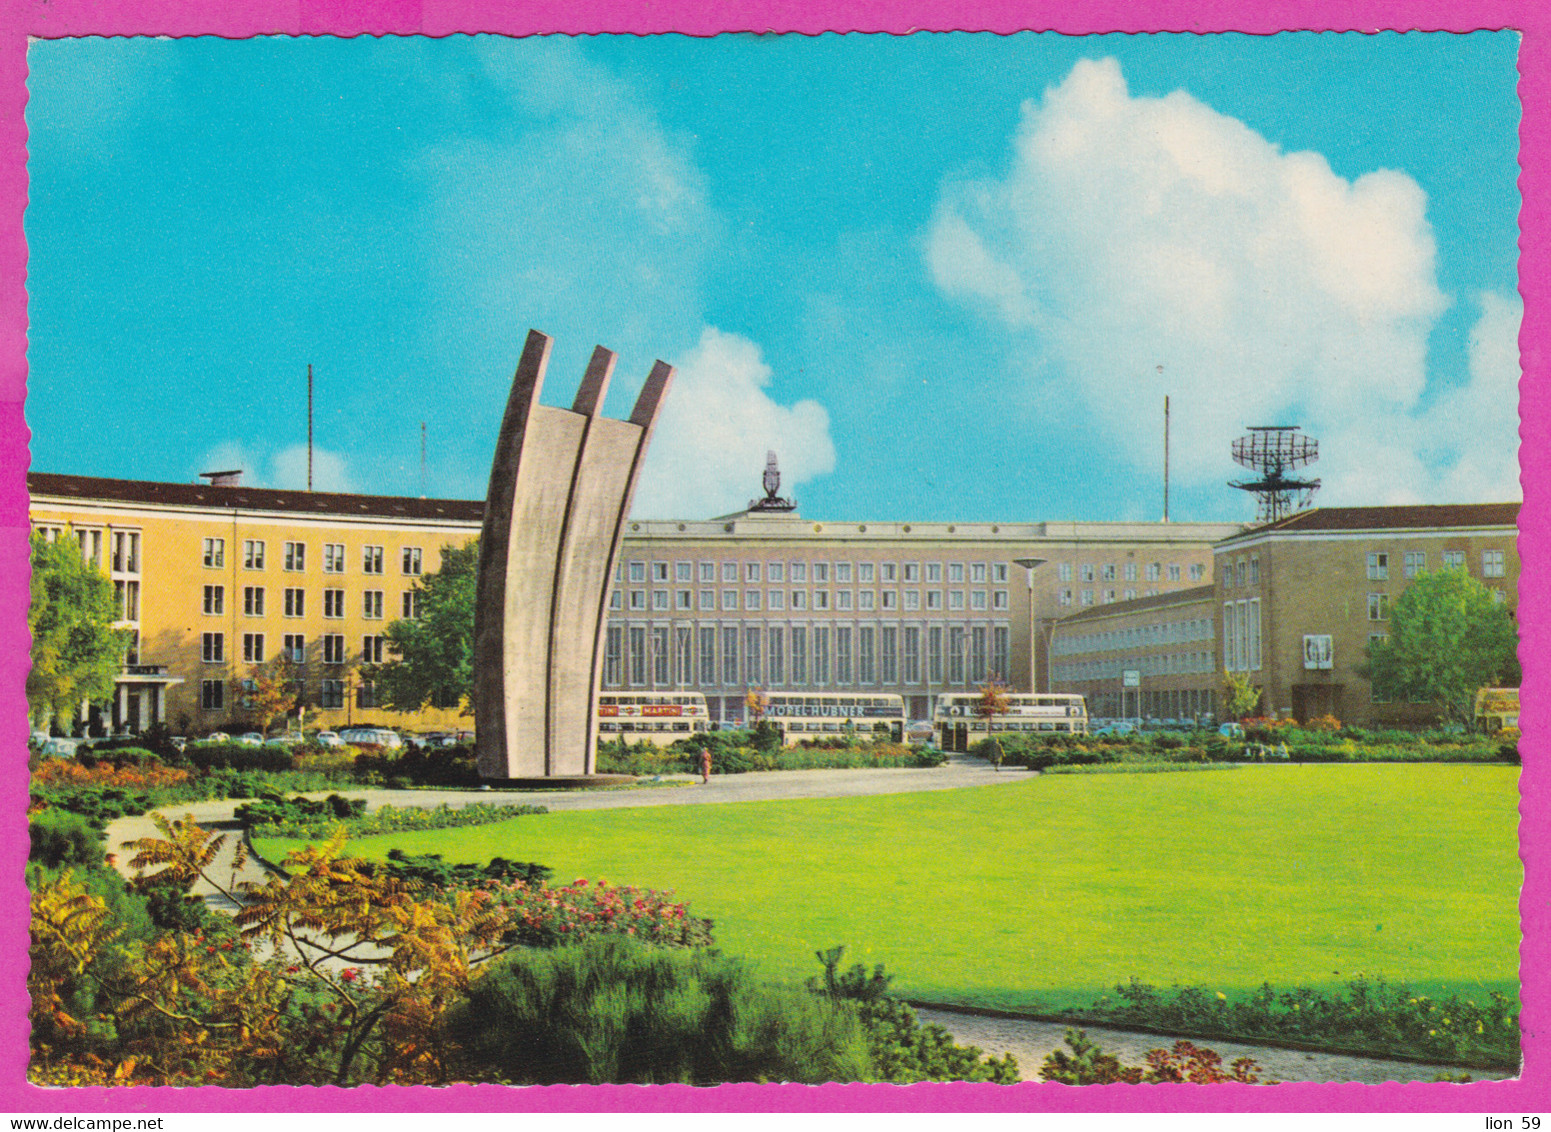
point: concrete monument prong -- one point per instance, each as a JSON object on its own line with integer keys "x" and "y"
{"x": 561, "y": 483}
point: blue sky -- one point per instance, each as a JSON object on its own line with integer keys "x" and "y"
{"x": 943, "y": 276}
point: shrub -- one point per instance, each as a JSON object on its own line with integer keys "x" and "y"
{"x": 614, "y": 1010}
{"x": 61, "y": 839}
{"x": 550, "y": 917}
{"x": 235, "y": 756}
{"x": 1181, "y": 1063}
{"x": 429, "y": 870}
{"x": 302, "y": 818}
{"x": 1324, "y": 723}
{"x": 441, "y": 766}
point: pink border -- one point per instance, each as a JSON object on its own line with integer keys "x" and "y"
{"x": 54, "y": 18}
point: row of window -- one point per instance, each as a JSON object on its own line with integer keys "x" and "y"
{"x": 776, "y": 655}
{"x": 1139, "y": 636}
{"x": 1064, "y": 596}
{"x": 293, "y": 648}
{"x": 1414, "y": 562}
{"x": 820, "y": 573}
{"x": 294, "y": 556}
{"x": 124, "y": 546}
{"x": 1148, "y": 664}
{"x": 777, "y": 600}
{"x": 1241, "y": 635}
{"x": 212, "y": 694}
{"x": 1153, "y": 572}
{"x": 254, "y": 602}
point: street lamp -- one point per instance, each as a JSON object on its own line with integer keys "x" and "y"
{"x": 1029, "y": 564}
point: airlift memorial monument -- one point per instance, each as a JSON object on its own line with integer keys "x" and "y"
{"x": 560, "y": 488}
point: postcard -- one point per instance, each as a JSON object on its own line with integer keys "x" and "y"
{"x": 772, "y": 559}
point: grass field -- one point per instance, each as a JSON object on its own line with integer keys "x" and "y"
{"x": 1044, "y": 894}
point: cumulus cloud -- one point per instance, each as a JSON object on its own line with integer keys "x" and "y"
{"x": 286, "y": 468}
{"x": 708, "y": 451}
{"x": 1141, "y": 246}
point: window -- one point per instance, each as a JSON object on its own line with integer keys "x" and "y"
{"x": 333, "y": 603}
{"x": 253, "y": 648}
{"x": 865, "y": 574}
{"x": 730, "y": 654}
{"x": 1064, "y": 571}
{"x": 1154, "y": 571}
{"x": 1415, "y": 562}
{"x": 775, "y": 572}
{"x": 616, "y": 600}
{"x": 1239, "y": 572}
{"x": 843, "y": 573}
{"x": 1378, "y": 607}
{"x": 999, "y": 572}
{"x": 410, "y": 559}
{"x": 252, "y": 554}
{"x": 366, "y": 694}
{"x": 212, "y": 695}
{"x": 799, "y": 655}
{"x": 295, "y": 648}
{"x": 955, "y": 599}
{"x": 660, "y": 600}
{"x": 977, "y": 599}
{"x": 1130, "y": 595}
{"x": 910, "y": 659}
{"x": 1087, "y": 597}
{"x": 751, "y": 655}
{"x": 890, "y": 573}
{"x": 890, "y": 599}
{"x": 1197, "y": 571}
{"x": 295, "y": 556}
{"x": 821, "y": 573}
{"x": 934, "y": 571}
{"x": 912, "y": 600}
{"x": 821, "y": 599}
{"x": 295, "y": 603}
{"x": 683, "y": 599}
{"x": 933, "y": 599}
{"x": 1254, "y": 571}
{"x": 659, "y": 571}
{"x": 867, "y": 600}
{"x": 708, "y": 571}
{"x": 821, "y": 655}
{"x": 1254, "y": 633}
{"x": 751, "y": 573}
{"x": 777, "y": 599}
{"x": 1130, "y": 572}
{"x": 1065, "y": 596}
{"x": 411, "y": 605}
{"x": 126, "y": 552}
{"x": 637, "y": 600}
{"x": 1109, "y": 597}
{"x": 253, "y": 601}
{"x": 708, "y": 601}
{"x": 1001, "y": 646}
{"x": 707, "y": 656}
{"x": 912, "y": 571}
{"x": 372, "y": 648}
{"x": 799, "y": 573}
{"x": 683, "y": 572}
{"x": 799, "y": 601}
{"x": 333, "y": 694}
{"x": 1378, "y": 566}
{"x": 1107, "y": 573}
{"x": 730, "y": 599}
{"x": 215, "y": 600}
{"x": 371, "y": 604}
{"x": 866, "y": 660}
{"x": 333, "y": 558}
{"x": 843, "y": 655}
{"x": 638, "y": 571}
{"x": 213, "y": 648}
{"x": 371, "y": 560}
{"x": 215, "y": 552}
{"x": 842, "y": 600}
{"x": 888, "y": 655}
{"x": 1453, "y": 559}
{"x": 1498, "y": 595}
{"x": 91, "y": 546}
{"x": 333, "y": 648}
{"x": 1491, "y": 564}
{"x": 934, "y": 655}
{"x": 955, "y": 655}
{"x": 777, "y": 671}
{"x": 127, "y": 595}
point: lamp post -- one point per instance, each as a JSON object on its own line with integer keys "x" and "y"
{"x": 1029, "y": 565}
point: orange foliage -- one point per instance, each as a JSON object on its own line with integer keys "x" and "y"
{"x": 64, "y": 772}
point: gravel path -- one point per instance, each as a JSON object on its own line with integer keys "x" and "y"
{"x": 1031, "y": 1042}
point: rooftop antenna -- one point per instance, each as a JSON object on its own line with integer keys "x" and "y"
{"x": 309, "y": 426}
{"x": 1165, "y": 456}
{"x": 772, "y": 484}
{"x": 422, "y": 459}
{"x": 1273, "y": 451}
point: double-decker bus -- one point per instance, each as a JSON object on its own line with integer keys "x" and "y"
{"x": 657, "y": 717}
{"x": 958, "y": 722}
{"x": 834, "y": 714}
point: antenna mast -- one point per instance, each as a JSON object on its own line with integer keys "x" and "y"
{"x": 422, "y": 459}
{"x": 309, "y": 426}
{"x": 1165, "y": 457}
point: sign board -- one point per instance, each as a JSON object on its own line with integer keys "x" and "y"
{"x": 1131, "y": 678}
{"x": 1318, "y": 651}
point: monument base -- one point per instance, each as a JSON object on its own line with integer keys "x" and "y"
{"x": 562, "y": 782}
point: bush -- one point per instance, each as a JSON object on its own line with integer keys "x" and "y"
{"x": 61, "y": 839}
{"x": 614, "y": 1010}
{"x": 303, "y": 818}
{"x": 235, "y": 756}
{"x": 429, "y": 870}
{"x": 441, "y": 766}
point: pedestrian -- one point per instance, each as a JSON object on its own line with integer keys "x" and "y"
{"x": 705, "y": 765}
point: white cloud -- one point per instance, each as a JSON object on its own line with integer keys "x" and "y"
{"x": 708, "y": 450}
{"x": 286, "y": 468}
{"x": 1131, "y": 233}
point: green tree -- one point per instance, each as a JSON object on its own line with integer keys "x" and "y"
{"x": 76, "y": 652}
{"x": 272, "y": 689}
{"x": 1448, "y": 638}
{"x": 433, "y": 662}
{"x": 1240, "y": 696}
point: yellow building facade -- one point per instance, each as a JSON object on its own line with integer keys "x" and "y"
{"x": 214, "y": 581}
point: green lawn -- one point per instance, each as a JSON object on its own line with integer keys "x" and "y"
{"x": 1045, "y": 893}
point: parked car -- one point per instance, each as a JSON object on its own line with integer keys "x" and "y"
{"x": 328, "y": 739}
{"x": 1231, "y": 731}
{"x": 60, "y": 747}
{"x": 216, "y": 737}
{"x": 251, "y": 739}
{"x": 919, "y": 731}
{"x": 179, "y": 743}
{"x": 380, "y": 736}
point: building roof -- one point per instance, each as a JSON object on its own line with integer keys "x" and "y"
{"x": 201, "y": 495}
{"x": 1406, "y": 516}
{"x": 1140, "y": 604}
